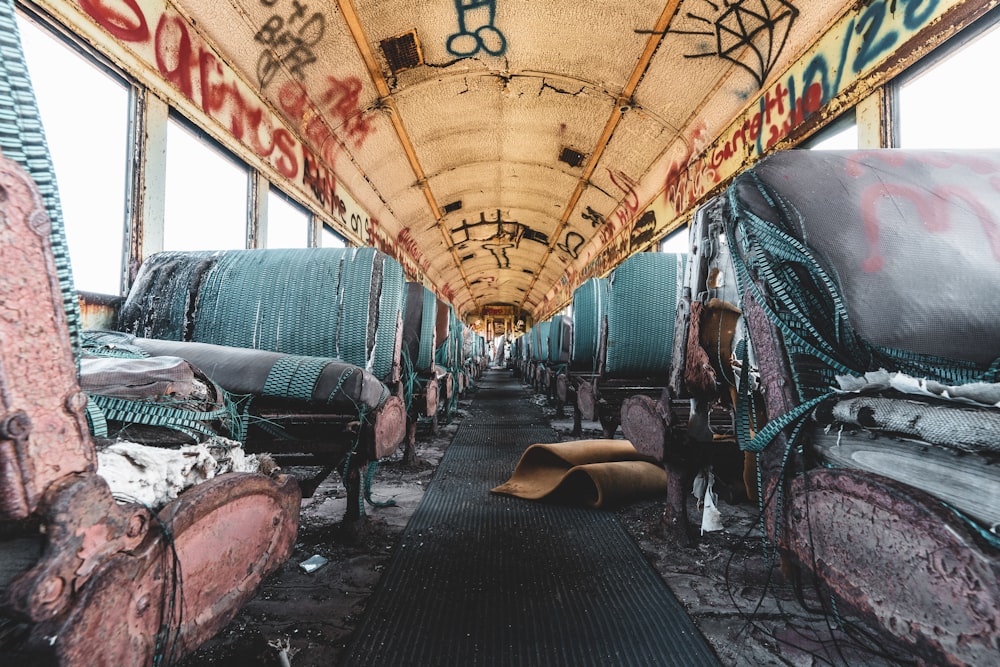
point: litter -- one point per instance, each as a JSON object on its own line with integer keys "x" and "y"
{"x": 313, "y": 563}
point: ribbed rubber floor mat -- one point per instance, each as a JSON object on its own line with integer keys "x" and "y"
{"x": 484, "y": 579}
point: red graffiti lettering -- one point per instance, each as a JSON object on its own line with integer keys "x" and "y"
{"x": 940, "y": 222}
{"x": 775, "y": 103}
{"x": 173, "y": 53}
{"x": 628, "y": 206}
{"x": 408, "y": 244}
{"x": 292, "y": 99}
{"x": 813, "y": 99}
{"x": 126, "y": 22}
{"x": 869, "y": 217}
{"x": 933, "y": 208}
{"x": 372, "y": 231}
{"x": 341, "y": 100}
{"x": 287, "y": 161}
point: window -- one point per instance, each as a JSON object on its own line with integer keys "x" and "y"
{"x": 206, "y": 194}
{"x": 841, "y": 134}
{"x": 836, "y": 136}
{"x": 287, "y": 222}
{"x": 948, "y": 104}
{"x": 331, "y": 239}
{"x": 677, "y": 242}
{"x": 84, "y": 111}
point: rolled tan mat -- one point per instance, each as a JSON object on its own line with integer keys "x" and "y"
{"x": 594, "y": 473}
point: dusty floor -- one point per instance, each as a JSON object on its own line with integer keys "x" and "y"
{"x": 306, "y": 619}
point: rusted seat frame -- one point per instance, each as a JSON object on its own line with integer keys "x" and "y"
{"x": 103, "y": 589}
{"x": 912, "y": 566}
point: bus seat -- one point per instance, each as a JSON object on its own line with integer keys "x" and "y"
{"x": 307, "y": 340}
{"x": 867, "y": 280}
{"x": 585, "y": 357}
{"x": 80, "y": 565}
{"x": 101, "y": 556}
{"x": 560, "y": 347}
{"x": 636, "y": 348}
{"x": 419, "y": 372}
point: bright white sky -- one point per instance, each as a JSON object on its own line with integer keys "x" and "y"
{"x": 954, "y": 105}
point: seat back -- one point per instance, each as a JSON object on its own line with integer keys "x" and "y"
{"x": 344, "y": 303}
{"x": 540, "y": 341}
{"x": 873, "y": 259}
{"x": 560, "y": 339}
{"x": 590, "y": 302}
{"x": 420, "y": 319}
{"x": 43, "y": 435}
{"x": 642, "y": 302}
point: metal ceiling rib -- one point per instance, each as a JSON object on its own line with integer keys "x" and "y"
{"x": 624, "y": 99}
{"x": 375, "y": 72}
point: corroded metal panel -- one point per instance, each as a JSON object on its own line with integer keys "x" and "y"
{"x": 167, "y": 596}
{"x": 43, "y": 431}
{"x": 900, "y": 558}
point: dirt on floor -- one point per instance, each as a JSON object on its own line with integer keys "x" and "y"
{"x": 749, "y": 612}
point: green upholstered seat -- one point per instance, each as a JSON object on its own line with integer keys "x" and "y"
{"x": 590, "y": 302}
{"x": 642, "y": 303}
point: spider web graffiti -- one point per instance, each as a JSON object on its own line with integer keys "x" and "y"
{"x": 748, "y": 33}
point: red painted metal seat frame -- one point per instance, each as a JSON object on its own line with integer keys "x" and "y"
{"x": 116, "y": 583}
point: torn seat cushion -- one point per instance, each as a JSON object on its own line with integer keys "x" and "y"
{"x": 317, "y": 381}
{"x": 161, "y": 400}
{"x": 911, "y": 237}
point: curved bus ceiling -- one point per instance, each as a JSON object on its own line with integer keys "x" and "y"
{"x": 507, "y": 150}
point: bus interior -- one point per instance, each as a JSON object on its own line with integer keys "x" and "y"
{"x": 243, "y": 237}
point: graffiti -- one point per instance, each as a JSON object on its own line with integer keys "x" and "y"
{"x": 377, "y": 236}
{"x": 571, "y": 244}
{"x": 166, "y": 43}
{"x": 128, "y": 26}
{"x": 340, "y": 97}
{"x": 858, "y": 43}
{"x": 485, "y": 280}
{"x": 339, "y": 102}
{"x": 595, "y": 218}
{"x": 748, "y": 33}
{"x": 932, "y": 208}
{"x": 626, "y": 209}
{"x": 687, "y": 181}
{"x": 643, "y": 230}
{"x": 399, "y": 248}
{"x": 198, "y": 74}
{"x": 496, "y": 236}
{"x": 289, "y": 40}
{"x": 323, "y": 185}
{"x": 358, "y": 223}
{"x": 871, "y": 34}
{"x": 408, "y": 245}
{"x": 486, "y": 37}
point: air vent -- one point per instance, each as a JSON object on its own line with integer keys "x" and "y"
{"x": 453, "y": 206}
{"x": 403, "y": 51}
{"x": 571, "y": 157}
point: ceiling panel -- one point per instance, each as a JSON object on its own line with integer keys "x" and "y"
{"x": 501, "y": 145}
